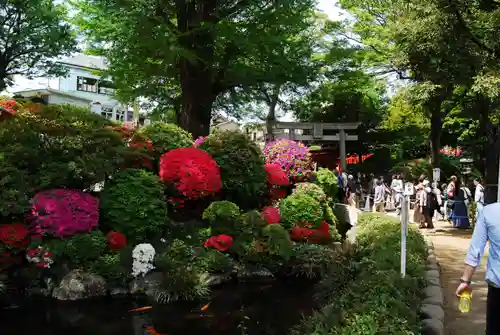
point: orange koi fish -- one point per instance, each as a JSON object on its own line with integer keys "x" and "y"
{"x": 140, "y": 309}
{"x": 153, "y": 331}
{"x": 204, "y": 308}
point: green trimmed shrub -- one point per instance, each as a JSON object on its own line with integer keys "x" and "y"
{"x": 311, "y": 260}
{"x": 241, "y": 162}
{"x": 80, "y": 250}
{"x": 183, "y": 275}
{"x": 314, "y": 191}
{"x": 278, "y": 241}
{"x": 223, "y": 217}
{"x": 58, "y": 146}
{"x": 376, "y": 300}
{"x": 165, "y": 137}
{"x": 110, "y": 267}
{"x": 214, "y": 261}
{"x": 300, "y": 208}
{"x": 328, "y": 181}
{"x": 133, "y": 203}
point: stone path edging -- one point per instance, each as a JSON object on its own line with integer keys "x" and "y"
{"x": 432, "y": 306}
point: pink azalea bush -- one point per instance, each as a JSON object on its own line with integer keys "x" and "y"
{"x": 63, "y": 213}
{"x": 293, "y": 157}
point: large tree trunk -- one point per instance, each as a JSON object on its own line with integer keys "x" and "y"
{"x": 271, "y": 114}
{"x": 435, "y": 133}
{"x": 195, "y": 20}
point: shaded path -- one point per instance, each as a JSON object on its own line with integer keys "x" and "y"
{"x": 450, "y": 247}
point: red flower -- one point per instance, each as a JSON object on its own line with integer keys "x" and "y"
{"x": 116, "y": 240}
{"x": 271, "y": 215}
{"x": 144, "y": 147}
{"x": 221, "y": 242}
{"x": 9, "y": 105}
{"x": 320, "y": 235}
{"x": 191, "y": 171}
{"x": 14, "y": 235}
{"x": 276, "y": 175}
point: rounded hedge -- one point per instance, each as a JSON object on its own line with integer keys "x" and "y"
{"x": 223, "y": 217}
{"x": 312, "y": 190}
{"x": 244, "y": 179}
{"x": 328, "y": 181}
{"x": 133, "y": 203}
{"x": 301, "y": 208}
{"x": 55, "y": 146}
{"x": 165, "y": 137}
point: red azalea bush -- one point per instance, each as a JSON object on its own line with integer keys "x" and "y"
{"x": 116, "y": 240}
{"x": 14, "y": 235}
{"x": 321, "y": 235}
{"x": 276, "y": 175}
{"x": 221, "y": 242}
{"x": 63, "y": 213}
{"x": 144, "y": 147}
{"x": 191, "y": 171}
{"x": 277, "y": 193}
{"x": 271, "y": 215}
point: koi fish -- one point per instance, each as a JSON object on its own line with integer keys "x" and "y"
{"x": 204, "y": 308}
{"x": 140, "y": 309}
{"x": 153, "y": 331}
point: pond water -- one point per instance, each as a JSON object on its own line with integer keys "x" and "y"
{"x": 233, "y": 310}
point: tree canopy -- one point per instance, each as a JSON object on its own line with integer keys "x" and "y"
{"x": 32, "y": 34}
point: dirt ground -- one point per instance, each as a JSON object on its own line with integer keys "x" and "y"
{"x": 450, "y": 247}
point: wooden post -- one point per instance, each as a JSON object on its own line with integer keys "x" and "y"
{"x": 343, "y": 162}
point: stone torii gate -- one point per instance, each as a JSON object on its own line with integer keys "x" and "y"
{"x": 316, "y": 134}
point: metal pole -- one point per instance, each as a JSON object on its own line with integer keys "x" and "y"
{"x": 404, "y": 231}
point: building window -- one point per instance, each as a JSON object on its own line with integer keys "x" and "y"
{"x": 120, "y": 115}
{"x": 85, "y": 84}
{"x": 106, "y": 87}
{"x": 107, "y": 113}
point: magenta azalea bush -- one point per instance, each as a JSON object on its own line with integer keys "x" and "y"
{"x": 199, "y": 141}
{"x": 293, "y": 157}
{"x": 63, "y": 213}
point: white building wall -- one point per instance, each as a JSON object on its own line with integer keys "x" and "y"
{"x": 61, "y": 99}
{"x": 69, "y": 84}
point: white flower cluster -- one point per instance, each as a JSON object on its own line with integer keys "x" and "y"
{"x": 143, "y": 256}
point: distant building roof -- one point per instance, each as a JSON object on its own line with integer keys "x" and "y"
{"x": 48, "y": 91}
{"x": 81, "y": 60}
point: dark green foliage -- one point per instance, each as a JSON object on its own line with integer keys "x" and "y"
{"x": 223, "y": 217}
{"x": 57, "y": 146}
{"x": 110, "y": 267}
{"x": 165, "y": 137}
{"x": 79, "y": 250}
{"x": 311, "y": 260}
{"x": 328, "y": 181}
{"x": 241, "y": 164}
{"x": 377, "y": 300}
{"x": 214, "y": 261}
{"x": 300, "y": 208}
{"x": 133, "y": 203}
{"x": 183, "y": 276}
{"x": 278, "y": 241}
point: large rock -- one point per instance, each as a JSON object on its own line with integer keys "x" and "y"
{"x": 432, "y": 327}
{"x": 147, "y": 284}
{"x": 78, "y": 285}
{"x": 248, "y": 273}
{"x": 433, "y": 295}
{"x": 432, "y": 312}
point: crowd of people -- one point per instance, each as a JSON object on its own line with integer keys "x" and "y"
{"x": 450, "y": 201}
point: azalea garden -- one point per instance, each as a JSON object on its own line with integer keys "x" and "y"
{"x": 90, "y": 209}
